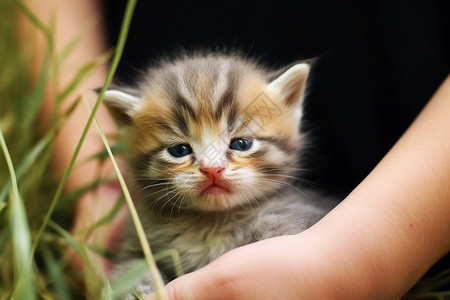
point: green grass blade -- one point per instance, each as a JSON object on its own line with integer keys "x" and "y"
{"x": 107, "y": 292}
{"x": 106, "y": 253}
{"x": 56, "y": 275}
{"x": 67, "y": 237}
{"x": 27, "y": 162}
{"x": 161, "y": 292}
{"x": 90, "y": 275}
{"x": 4, "y": 238}
{"x": 125, "y": 282}
{"x": 34, "y": 103}
{"x": 173, "y": 253}
{"x": 115, "y": 62}
{"x": 109, "y": 217}
{"x": 82, "y": 73}
{"x": 35, "y": 98}
{"x": 37, "y": 149}
{"x": 35, "y": 20}
{"x": 103, "y": 154}
{"x": 25, "y": 288}
{"x": 76, "y": 194}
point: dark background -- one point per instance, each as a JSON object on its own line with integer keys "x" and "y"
{"x": 379, "y": 63}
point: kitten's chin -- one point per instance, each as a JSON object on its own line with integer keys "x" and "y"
{"x": 214, "y": 195}
{"x": 216, "y": 198}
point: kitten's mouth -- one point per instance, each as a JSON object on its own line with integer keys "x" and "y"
{"x": 215, "y": 188}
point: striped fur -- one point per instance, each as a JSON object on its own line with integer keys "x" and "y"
{"x": 206, "y": 102}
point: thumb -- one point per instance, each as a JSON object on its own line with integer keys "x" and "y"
{"x": 209, "y": 282}
{"x": 247, "y": 272}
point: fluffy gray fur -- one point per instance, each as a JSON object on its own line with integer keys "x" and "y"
{"x": 201, "y": 238}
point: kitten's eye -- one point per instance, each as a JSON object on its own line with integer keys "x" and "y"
{"x": 240, "y": 144}
{"x": 179, "y": 150}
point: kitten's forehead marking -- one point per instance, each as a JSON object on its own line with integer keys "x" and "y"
{"x": 221, "y": 83}
{"x": 227, "y": 101}
{"x": 183, "y": 86}
{"x": 184, "y": 113}
{"x": 204, "y": 92}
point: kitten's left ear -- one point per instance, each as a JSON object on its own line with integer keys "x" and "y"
{"x": 291, "y": 84}
{"x": 122, "y": 103}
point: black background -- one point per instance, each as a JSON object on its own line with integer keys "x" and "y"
{"x": 379, "y": 63}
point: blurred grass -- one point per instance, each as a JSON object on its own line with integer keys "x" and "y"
{"x": 26, "y": 153}
{"x": 27, "y": 185}
{"x": 33, "y": 210}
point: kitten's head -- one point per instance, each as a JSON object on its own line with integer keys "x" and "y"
{"x": 212, "y": 132}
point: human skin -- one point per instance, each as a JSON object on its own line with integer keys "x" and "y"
{"x": 374, "y": 245}
{"x": 77, "y": 18}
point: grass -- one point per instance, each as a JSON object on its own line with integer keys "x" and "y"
{"x": 34, "y": 213}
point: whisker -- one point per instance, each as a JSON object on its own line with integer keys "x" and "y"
{"x": 272, "y": 189}
{"x": 167, "y": 201}
{"x": 152, "y": 179}
{"x": 180, "y": 200}
{"x": 161, "y": 197}
{"x": 243, "y": 192}
{"x": 153, "y": 185}
{"x": 297, "y": 179}
{"x": 284, "y": 184}
{"x": 157, "y": 191}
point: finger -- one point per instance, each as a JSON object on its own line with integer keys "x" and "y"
{"x": 216, "y": 281}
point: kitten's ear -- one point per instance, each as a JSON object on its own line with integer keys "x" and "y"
{"x": 122, "y": 103}
{"x": 291, "y": 83}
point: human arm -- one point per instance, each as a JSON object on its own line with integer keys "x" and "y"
{"x": 374, "y": 245}
{"x": 75, "y": 18}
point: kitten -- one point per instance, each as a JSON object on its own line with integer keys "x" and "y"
{"x": 214, "y": 144}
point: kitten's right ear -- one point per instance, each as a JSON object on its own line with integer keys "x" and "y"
{"x": 122, "y": 103}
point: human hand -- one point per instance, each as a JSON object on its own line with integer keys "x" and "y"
{"x": 277, "y": 268}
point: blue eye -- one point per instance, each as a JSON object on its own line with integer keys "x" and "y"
{"x": 240, "y": 144}
{"x": 179, "y": 150}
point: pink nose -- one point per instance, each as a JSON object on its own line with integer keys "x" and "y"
{"x": 212, "y": 173}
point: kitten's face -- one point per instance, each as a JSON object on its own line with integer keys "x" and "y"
{"x": 212, "y": 133}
